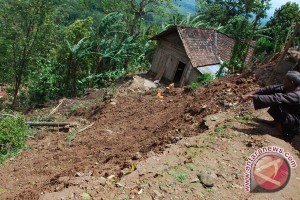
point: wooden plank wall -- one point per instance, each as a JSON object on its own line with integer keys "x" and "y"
{"x": 193, "y": 75}
{"x": 186, "y": 74}
{"x": 166, "y": 59}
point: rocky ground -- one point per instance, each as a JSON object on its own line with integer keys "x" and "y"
{"x": 135, "y": 144}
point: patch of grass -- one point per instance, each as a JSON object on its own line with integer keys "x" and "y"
{"x": 181, "y": 177}
{"x": 180, "y": 173}
{"x": 13, "y": 135}
{"x": 71, "y": 136}
{"x": 42, "y": 119}
{"x": 110, "y": 92}
{"x": 220, "y": 129}
{"x": 222, "y": 133}
{"x": 246, "y": 118}
{"x": 74, "y": 108}
{"x": 245, "y": 157}
{"x": 190, "y": 166}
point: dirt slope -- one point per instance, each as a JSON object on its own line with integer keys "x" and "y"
{"x": 133, "y": 127}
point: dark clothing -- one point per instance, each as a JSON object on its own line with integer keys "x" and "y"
{"x": 284, "y": 107}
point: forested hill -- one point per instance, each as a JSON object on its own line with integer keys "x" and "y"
{"x": 61, "y": 48}
{"x": 187, "y": 6}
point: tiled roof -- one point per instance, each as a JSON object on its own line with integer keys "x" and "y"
{"x": 200, "y": 44}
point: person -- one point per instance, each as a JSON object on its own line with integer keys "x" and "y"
{"x": 284, "y": 105}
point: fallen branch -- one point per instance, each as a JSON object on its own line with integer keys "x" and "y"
{"x": 56, "y": 108}
{"x": 8, "y": 115}
{"x": 89, "y": 126}
{"x": 54, "y": 124}
{"x": 73, "y": 135}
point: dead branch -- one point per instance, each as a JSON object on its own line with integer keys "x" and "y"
{"x": 56, "y": 108}
{"x": 87, "y": 127}
{"x": 54, "y": 124}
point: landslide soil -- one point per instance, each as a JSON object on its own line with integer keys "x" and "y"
{"x": 131, "y": 127}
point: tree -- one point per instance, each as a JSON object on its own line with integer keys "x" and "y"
{"x": 78, "y": 48}
{"x": 282, "y": 23}
{"x": 219, "y": 12}
{"x": 135, "y": 11}
{"x": 22, "y": 24}
{"x": 259, "y": 9}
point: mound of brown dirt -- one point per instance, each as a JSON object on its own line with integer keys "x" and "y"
{"x": 125, "y": 130}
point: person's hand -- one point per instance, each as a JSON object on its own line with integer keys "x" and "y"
{"x": 247, "y": 97}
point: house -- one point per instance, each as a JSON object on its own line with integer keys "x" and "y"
{"x": 184, "y": 53}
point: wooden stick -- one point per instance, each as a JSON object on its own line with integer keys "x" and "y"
{"x": 89, "y": 126}
{"x": 54, "y": 124}
{"x": 56, "y": 108}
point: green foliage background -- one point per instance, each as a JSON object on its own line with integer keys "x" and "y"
{"x": 60, "y": 48}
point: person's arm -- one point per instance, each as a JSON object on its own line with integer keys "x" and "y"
{"x": 271, "y": 89}
{"x": 264, "y": 101}
{"x": 268, "y": 90}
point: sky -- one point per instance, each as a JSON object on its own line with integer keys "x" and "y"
{"x": 190, "y": 5}
{"x": 278, "y": 3}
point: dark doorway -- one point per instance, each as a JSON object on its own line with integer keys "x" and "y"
{"x": 179, "y": 73}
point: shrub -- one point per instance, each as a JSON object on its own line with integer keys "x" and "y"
{"x": 43, "y": 84}
{"x": 202, "y": 80}
{"x": 13, "y": 135}
{"x": 205, "y": 79}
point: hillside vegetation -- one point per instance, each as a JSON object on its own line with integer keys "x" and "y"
{"x": 54, "y": 49}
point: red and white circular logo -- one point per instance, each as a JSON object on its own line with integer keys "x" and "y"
{"x": 271, "y": 172}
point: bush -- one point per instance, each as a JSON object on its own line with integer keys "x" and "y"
{"x": 44, "y": 82}
{"x": 202, "y": 80}
{"x": 205, "y": 79}
{"x": 13, "y": 135}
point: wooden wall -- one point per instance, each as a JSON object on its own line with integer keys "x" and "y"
{"x": 168, "y": 55}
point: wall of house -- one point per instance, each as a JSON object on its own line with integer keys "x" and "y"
{"x": 167, "y": 57}
{"x": 194, "y": 74}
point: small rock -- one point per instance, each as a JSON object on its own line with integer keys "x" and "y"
{"x": 195, "y": 180}
{"x": 214, "y": 118}
{"x": 188, "y": 117}
{"x": 78, "y": 174}
{"x": 136, "y": 156}
{"x": 158, "y": 193}
{"x": 176, "y": 139}
{"x": 140, "y": 192}
{"x": 125, "y": 171}
{"x": 207, "y": 178}
{"x": 249, "y": 144}
{"x": 86, "y": 196}
{"x": 113, "y": 103}
{"x": 233, "y": 185}
{"x": 102, "y": 181}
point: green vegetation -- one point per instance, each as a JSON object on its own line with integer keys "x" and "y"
{"x": 13, "y": 135}
{"x": 202, "y": 80}
{"x": 180, "y": 173}
{"x": 246, "y": 118}
{"x": 53, "y": 49}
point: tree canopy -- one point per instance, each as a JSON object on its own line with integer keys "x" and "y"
{"x": 60, "y": 48}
